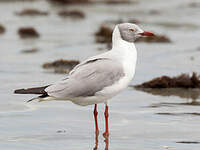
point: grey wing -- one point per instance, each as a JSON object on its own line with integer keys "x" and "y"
{"x": 87, "y": 79}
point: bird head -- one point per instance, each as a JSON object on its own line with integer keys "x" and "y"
{"x": 130, "y": 32}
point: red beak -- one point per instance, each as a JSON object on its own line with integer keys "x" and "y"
{"x": 145, "y": 33}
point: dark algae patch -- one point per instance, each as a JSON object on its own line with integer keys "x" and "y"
{"x": 179, "y": 114}
{"x": 181, "y": 81}
{"x": 32, "y": 12}
{"x": 117, "y": 2}
{"x": 111, "y": 2}
{"x": 188, "y": 142}
{"x": 71, "y": 13}
{"x": 61, "y": 131}
{"x": 28, "y": 32}
{"x": 17, "y": 0}
{"x": 183, "y": 86}
{"x": 2, "y": 29}
{"x": 121, "y": 20}
{"x": 104, "y": 34}
{"x": 30, "y": 51}
{"x": 70, "y": 1}
{"x": 61, "y": 65}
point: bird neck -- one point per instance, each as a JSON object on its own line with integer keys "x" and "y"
{"x": 116, "y": 37}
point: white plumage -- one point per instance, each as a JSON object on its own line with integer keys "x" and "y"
{"x": 121, "y": 61}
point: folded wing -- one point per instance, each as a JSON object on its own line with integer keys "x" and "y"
{"x": 87, "y": 79}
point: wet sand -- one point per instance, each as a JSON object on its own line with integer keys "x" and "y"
{"x": 134, "y": 124}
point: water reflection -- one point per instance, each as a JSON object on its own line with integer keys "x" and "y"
{"x": 180, "y": 92}
{"x": 167, "y": 104}
{"x": 191, "y": 95}
{"x": 106, "y": 140}
{"x": 96, "y": 141}
{"x": 179, "y": 114}
{"x": 106, "y": 143}
{"x": 95, "y": 113}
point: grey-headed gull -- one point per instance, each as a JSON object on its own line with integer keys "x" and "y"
{"x": 100, "y": 77}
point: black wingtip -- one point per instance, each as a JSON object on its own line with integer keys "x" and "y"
{"x": 19, "y": 91}
{"x": 35, "y": 90}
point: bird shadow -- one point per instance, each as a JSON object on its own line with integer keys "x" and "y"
{"x": 106, "y": 141}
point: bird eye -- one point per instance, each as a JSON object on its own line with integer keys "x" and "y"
{"x": 131, "y": 30}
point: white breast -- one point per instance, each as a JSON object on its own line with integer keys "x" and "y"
{"x": 125, "y": 53}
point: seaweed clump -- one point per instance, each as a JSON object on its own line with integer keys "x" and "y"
{"x": 29, "y": 51}
{"x": 70, "y": 1}
{"x": 71, "y": 13}
{"x": 32, "y": 12}
{"x": 104, "y": 34}
{"x": 61, "y": 65}
{"x": 181, "y": 81}
{"x": 188, "y": 142}
{"x": 117, "y": 1}
{"x": 16, "y": 0}
{"x": 121, "y": 20}
{"x": 2, "y": 29}
{"x": 28, "y": 32}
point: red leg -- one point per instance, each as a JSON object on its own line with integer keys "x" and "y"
{"x": 106, "y": 133}
{"x": 95, "y": 118}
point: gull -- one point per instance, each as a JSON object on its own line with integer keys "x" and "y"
{"x": 100, "y": 77}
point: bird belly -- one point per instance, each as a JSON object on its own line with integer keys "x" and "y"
{"x": 116, "y": 88}
{"x": 105, "y": 94}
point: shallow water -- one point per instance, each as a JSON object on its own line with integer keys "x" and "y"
{"x": 134, "y": 121}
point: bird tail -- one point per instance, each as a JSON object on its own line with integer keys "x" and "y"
{"x": 36, "y": 90}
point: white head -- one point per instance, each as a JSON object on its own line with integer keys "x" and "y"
{"x": 129, "y": 32}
